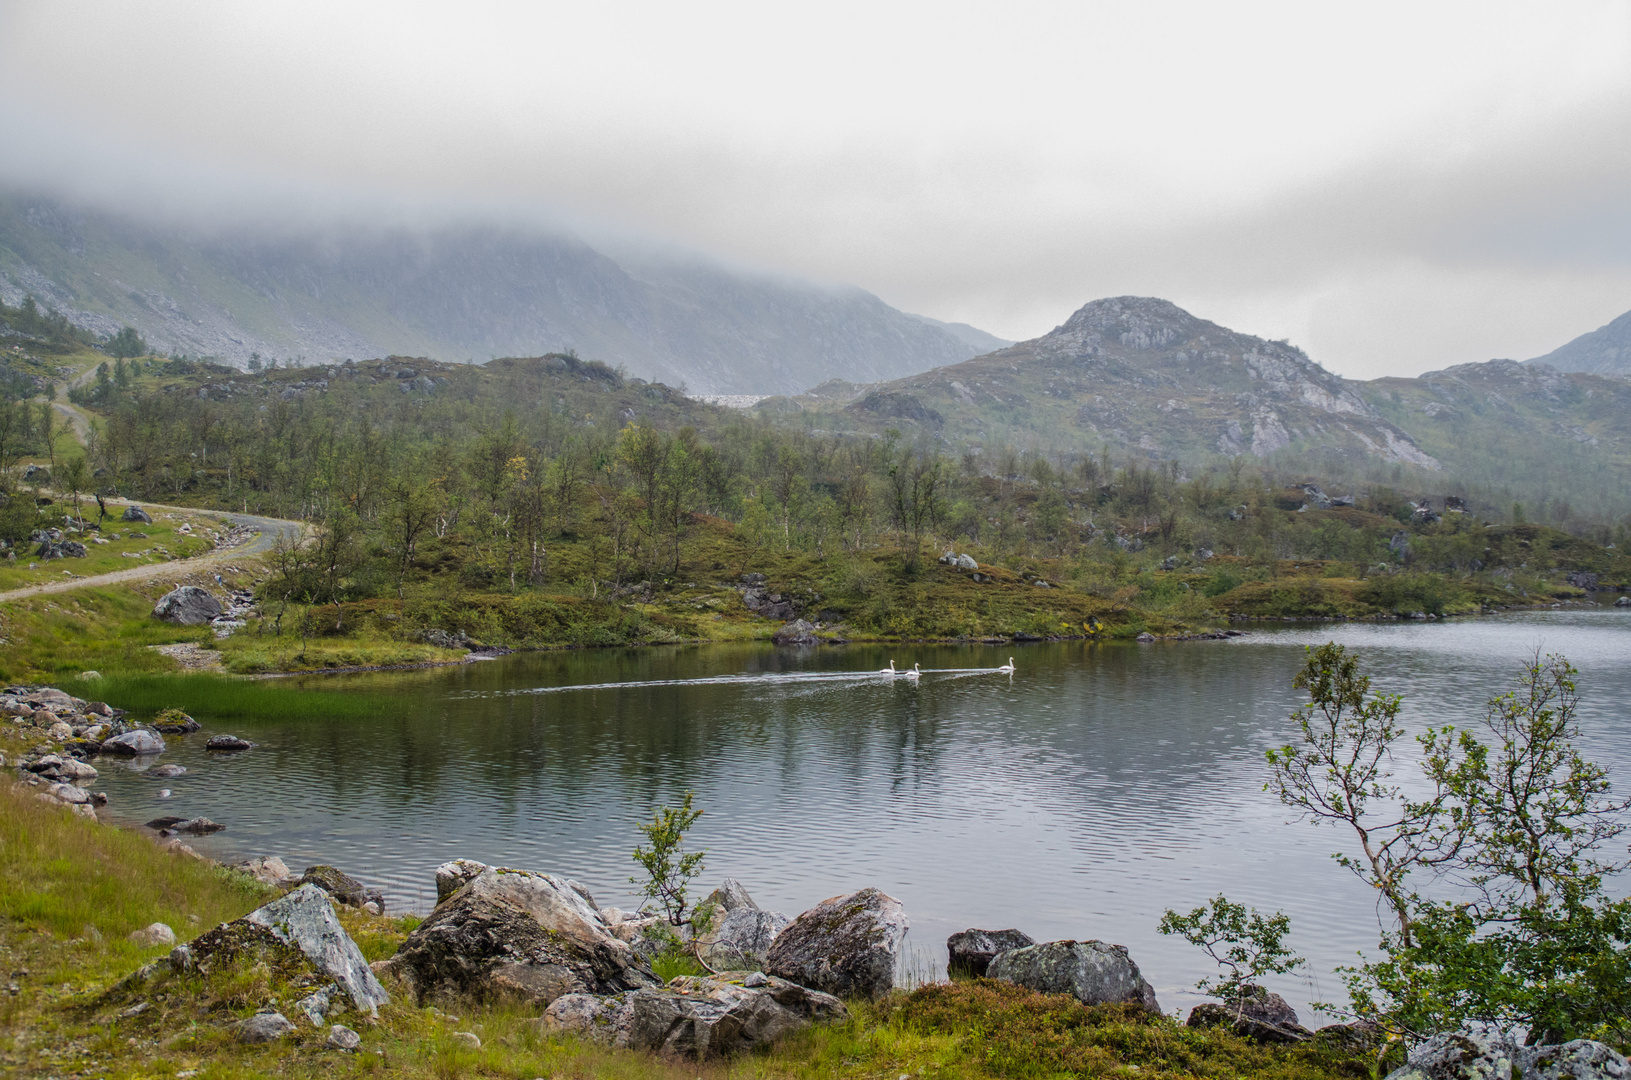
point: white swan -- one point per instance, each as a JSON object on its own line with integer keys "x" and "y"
{"x": 914, "y": 674}
{"x": 890, "y": 670}
{"x": 1008, "y": 668}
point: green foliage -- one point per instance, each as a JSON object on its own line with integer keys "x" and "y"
{"x": 1243, "y": 943}
{"x": 668, "y": 868}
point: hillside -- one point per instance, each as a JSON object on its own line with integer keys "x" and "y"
{"x": 1604, "y": 351}
{"x": 455, "y": 293}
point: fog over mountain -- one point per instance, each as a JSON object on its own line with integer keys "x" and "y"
{"x": 1604, "y": 351}
{"x": 456, "y": 292}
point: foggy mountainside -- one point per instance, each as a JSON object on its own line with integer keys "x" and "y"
{"x": 1604, "y": 351}
{"x": 456, "y": 293}
{"x": 1142, "y": 377}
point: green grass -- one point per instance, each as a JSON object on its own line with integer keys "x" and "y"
{"x": 217, "y": 698}
{"x": 111, "y": 556}
{"x": 106, "y": 628}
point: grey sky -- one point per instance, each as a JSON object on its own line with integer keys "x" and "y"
{"x": 1394, "y": 186}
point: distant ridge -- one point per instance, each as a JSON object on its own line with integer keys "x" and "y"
{"x": 1604, "y": 351}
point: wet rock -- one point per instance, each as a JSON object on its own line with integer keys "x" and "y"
{"x": 740, "y": 938}
{"x": 1624, "y": 601}
{"x": 137, "y": 743}
{"x": 452, "y": 876}
{"x": 305, "y": 920}
{"x": 198, "y": 826}
{"x": 971, "y": 952}
{"x": 696, "y": 1017}
{"x": 847, "y": 946}
{"x": 187, "y": 605}
{"x": 153, "y": 934}
{"x": 168, "y": 770}
{"x": 797, "y": 632}
{"x": 1460, "y": 1056}
{"x": 513, "y": 934}
{"x": 229, "y": 743}
{"x": 1145, "y": 638}
{"x": 1581, "y": 1059}
{"x": 165, "y": 822}
{"x": 265, "y": 1027}
{"x": 1093, "y": 972}
{"x": 341, "y": 1037}
{"x": 174, "y": 722}
{"x": 136, "y": 513}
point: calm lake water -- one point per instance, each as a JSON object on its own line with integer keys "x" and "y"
{"x": 1098, "y": 786}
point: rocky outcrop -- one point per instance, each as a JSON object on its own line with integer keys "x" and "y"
{"x": 187, "y": 605}
{"x": 797, "y": 632}
{"x": 453, "y": 876}
{"x": 971, "y": 951}
{"x": 305, "y": 920}
{"x": 847, "y": 946}
{"x": 512, "y": 934}
{"x": 1257, "y": 1014}
{"x": 740, "y": 938}
{"x": 1093, "y": 972}
{"x": 696, "y": 1017}
{"x": 61, "y": 549}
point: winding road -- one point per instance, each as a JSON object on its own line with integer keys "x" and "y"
{"x": 270, "y": 530}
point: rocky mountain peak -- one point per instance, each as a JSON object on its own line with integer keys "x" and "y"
{"x": 1134, "y": 322}
{"x": 1604, "y": 351}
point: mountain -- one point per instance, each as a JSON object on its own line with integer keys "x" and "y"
{"x": 455, "y": 292}
{"x": 1141, "y": 377}
{"x": 972, "y": 336}
{"x": 1604, "y": 351}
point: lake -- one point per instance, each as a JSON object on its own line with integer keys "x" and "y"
{"x": 1080, "y": 797}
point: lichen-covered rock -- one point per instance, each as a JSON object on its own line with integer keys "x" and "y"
{"x": 848, "y": 945}
{"x": 971, "y": 951}
{"x": 174, "y": 722}
{"x": 305, "y": 920}
{"x": 740, "y": 938}
{"x": 1459, "y": 1055}
{"x": 187, "y": 605}
{"x": 512, "y": 934}
{"x": 696, "y": 1017}
{"x": 1262, "y": 1017}
{"x": 453, "y": 876}
{"x": 1581, "y": 1059}
{"x": 1093, "y": 972}
{"x": 338, "y": 884}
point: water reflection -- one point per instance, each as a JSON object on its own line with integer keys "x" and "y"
{"x": 1100, "y": 785}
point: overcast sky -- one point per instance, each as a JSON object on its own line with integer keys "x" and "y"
{"x": 1394, "y": 186}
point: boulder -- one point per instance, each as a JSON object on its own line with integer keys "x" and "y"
{"x": 169, "y": 770}
{"x": 1093, "y": 972}
{"x": 137, "y": 743}
{"x": 341, "y": 1037}
{"x": 696, "y": 1017}
{"x": 305, "y": 920}
{"x": 153, "y": 934}
{"x": 1624, "y": 601}
{"x": 338, "y": 884}
{"x": 267, "y": 869}
{"x": 74, "y": 769}
{"x": 797, "y": 632}
{"x": 68, "y": 793}
{"x": 740, "y": 938}
{"x": 174, "y": 722}
{"x": 513, "y": 934}
{"x": 187, "y": 605}
{"x": 971, "y": 952}
{"x": 1257, "y": 1015}
{"x": 453, "y": 876}
{"x": 265, "y": 1027}
{"x": 198, "y": 826}
{"x": 848, "y": 945}
{"x": 61, "y": 549}
{"x": 1459, "y": 1055}
{"x": 136, "y": 513}
{"x": 728, "y": 897}
{"x": 229, "y": 743}
{"x": 1581, "y": 1059}
{"x": 59, "y": 731}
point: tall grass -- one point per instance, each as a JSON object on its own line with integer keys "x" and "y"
{"x": 215, "y": 697}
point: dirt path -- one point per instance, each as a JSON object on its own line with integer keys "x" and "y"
{"x": 270, "y": 530}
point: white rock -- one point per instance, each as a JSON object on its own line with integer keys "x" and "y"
{"x": 153, "y": 934}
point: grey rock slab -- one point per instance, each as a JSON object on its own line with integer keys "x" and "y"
{"x": 519, "y": 935}
{"x": 305, "y": 919}
{"x": 741, "y": 938}
{"x": 972, "y": 950}
{"x": 847, "y": 945}
{"x": 1093, "y": 972}
{"x": 264, "y": 1028}
{"x": 138, "y": 743}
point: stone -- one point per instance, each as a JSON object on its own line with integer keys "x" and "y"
{"x": 1145, "y": 638}
{"x": 153, "y": 934}
{"x": 74, "y": 769}
{"x": 305, "y": 920}
{"x": 229, "y": 743}
{"x": 59, "y": 731}
{"x": 61, "y": 549}
{"x": 268, "y": 869}
{"x": 971, "y": 952}
{"x": 1580, "y": 1059}
{"x": 1624, "y": 601}
{"x": 198, "y": 826}
{"x": 338, "y": 884}
{"x": 341, "y": 1037}
{"x": 1093, "y": 972}
{"x": 741, "y": 938}
{"x": 1359, "y": 1036}
{"x": 468, "y": 1039}
{"x": 136, "y": 513}
{"x": 1459, "y": 1055}
{"x": 1258, "y": 1015}
{"x": 265, "y": 1027}
{"x": 137, "y": 743}
{"x": 187, "y": 605}
{"x": 68, "y": 793}
{"x": 164, "y": 822}
{"x": 315, "y": 1007}
{"x": 847, "y": 945}
{"x": 174, "y": 722}
{"x": 452, "y": 876}
{"x": 169, "y": 770}
{"x": 797, "y": 632}
{"x": 518, "y": 935}
{"x": 696, "y": 1017}
{"x": 728, "y": 897}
